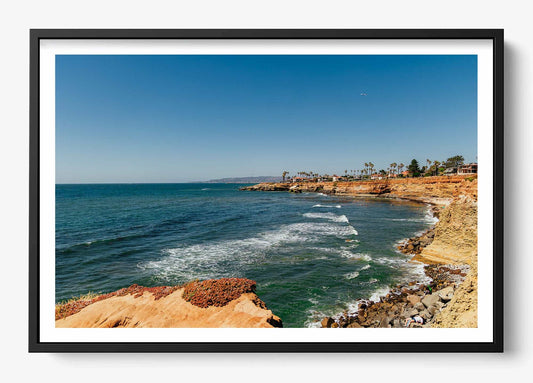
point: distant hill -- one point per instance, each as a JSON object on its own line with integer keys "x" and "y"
{"x": 243, "y": 180}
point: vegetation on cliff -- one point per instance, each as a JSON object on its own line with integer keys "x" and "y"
{"x": 212, "y": 292}
{"x": 432, "y": 168}
{"x": 228, "y": 302}
{"x": 217, "y": 292}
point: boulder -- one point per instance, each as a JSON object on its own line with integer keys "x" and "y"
{"x": 413, "y": 299}
{"x": 408, "y": 313}
{"x": 430, "y": 300}
{"x": 327, "y": 322}
{"x": 354, "y": 325}
{"x": 384, "y": 322}
{"x": 446, "y": 294}
{"x": 420, "y": 306}
{"x": 434, "y": 309}
{"x": 426, "y": 315}
{"x": 425, "y": 241}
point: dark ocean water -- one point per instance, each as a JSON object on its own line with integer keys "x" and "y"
{"x": 311, "y": 255}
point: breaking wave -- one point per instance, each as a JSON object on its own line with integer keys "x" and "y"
{"x": 352, "y": 275}
{"x": 330, "y": 216}
{"x": 211, "y": 260}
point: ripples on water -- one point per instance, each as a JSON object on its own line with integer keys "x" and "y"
{"x": 312, "y": 255}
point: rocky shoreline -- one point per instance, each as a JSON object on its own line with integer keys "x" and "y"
{"x": 413, "y": 305}
{"x": 438, "y": 191}
{"x": 448, "y": 250}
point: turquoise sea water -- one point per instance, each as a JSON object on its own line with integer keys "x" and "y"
{"x": 312, "y": 255}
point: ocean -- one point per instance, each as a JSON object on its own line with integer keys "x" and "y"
{"x": 312, "y": 255}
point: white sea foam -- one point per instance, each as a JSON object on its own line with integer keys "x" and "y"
{"x": 330, "y": 216}
{"x": 381, "y": 292}
{"x": 365, "y": 267}
{"x": 358, "y": 256}
{"x": 430, "y": 218}
{"x": 335, "y": 206}
{"x": 314, "y": 318}
{"x": 313, "y": 301}
{"x": 208, "y": 259}
{"x": 352, "y": 275}
{"x": 427, "y": 218}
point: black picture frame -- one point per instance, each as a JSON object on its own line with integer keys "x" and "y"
{"x": 494, "y": 35}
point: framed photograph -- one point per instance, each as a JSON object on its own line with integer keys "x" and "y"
{"x": 266, "y": 191}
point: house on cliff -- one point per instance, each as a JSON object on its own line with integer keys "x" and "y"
{"x": 450, "y": 171}
{"x": 467, "y": 169}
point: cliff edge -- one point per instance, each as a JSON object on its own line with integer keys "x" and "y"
{"x": 211, "y": 303}
{"x": 434, "y": 190}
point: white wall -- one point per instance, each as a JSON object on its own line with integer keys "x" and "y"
{"x": 15, "y": 20}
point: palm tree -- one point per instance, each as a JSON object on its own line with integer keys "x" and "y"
{"x": 393, "y": 166}
{"x": 428, "y": 161}
{"x": 400, "y": 167}
{"x": 371, "y": 165}
{"x": 284, "y": 174}
{"x": 436, "y": 164}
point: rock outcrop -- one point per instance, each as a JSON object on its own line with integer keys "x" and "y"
{"x": 416, "y": 305}
{"x": 455, "y": 239}
{"x": 435, "y": 190}
{"x": 144, "y": 308}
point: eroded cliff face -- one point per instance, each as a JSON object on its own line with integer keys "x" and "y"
{"x": 455, "y": 240}
{"x": 171, "y": 311}
{"x": 435, "y": 190}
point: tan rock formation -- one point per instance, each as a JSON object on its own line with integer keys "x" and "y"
{"x": 455, "y": 235}
{"x": 436, "y": 190}
{"x": 461, "y": 311}
{"x": 171, "y": 311}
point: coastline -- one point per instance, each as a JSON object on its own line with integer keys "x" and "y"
{"x": 215, "y": 303}
{"x": 448, "y": 250}
{"x": 445, "y": 295}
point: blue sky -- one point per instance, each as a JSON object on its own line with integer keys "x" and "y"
{"x": 189, "y": 118}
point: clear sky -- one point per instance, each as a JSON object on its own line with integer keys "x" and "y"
{"x": 190, "y": 118}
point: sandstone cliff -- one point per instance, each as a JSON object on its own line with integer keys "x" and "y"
{"x": 455, "y": 240}
{"x": 148, "y": 307}
{"x": 435, "y": 190}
